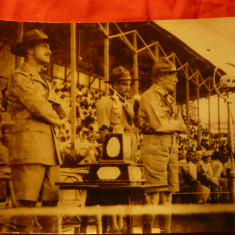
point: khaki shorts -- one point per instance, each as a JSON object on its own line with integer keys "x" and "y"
{"x": 159, "y": 154}
{"x": 35, "y": 182}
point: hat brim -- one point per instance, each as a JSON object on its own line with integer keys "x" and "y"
{"x": 169, "y": 70}
{"x": 118, "y": 80}
{"x": 20, "y": 48}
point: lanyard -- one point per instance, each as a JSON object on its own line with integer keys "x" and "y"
{"x": 167, "y": 103}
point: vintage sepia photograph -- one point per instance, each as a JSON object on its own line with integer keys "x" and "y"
{"x": 117, "y": 127}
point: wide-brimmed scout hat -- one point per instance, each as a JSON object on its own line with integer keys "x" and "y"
{"x": 31, "y": 36}
{"x": 163, "y": 65}
{"x": 120, "y": 73}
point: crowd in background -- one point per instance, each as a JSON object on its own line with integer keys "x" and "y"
{"x": 209, "y": 170}
{"x": 203, "y": 166}
{"x": 208, "y": 160}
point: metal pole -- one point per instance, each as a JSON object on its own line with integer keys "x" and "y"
{"x": 106, "y": 58}
{"x": 219, "y": 119}
{"x": 73, "y": 82}
{"x": 230, "y": 137}
{"x": 135, "y": 59}
{"x": 198, "y": 111}
{"x": 156, "y": 52}
{"x": 19, "y": 34}
{"x": 209, "y": 117}
{"x": 187, "y": 104}
{"x": 187, "y": 109}
{"x": 230, "y": 143}
{"x": 79, "y": 54}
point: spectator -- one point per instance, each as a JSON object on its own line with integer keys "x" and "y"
{"x": 224, "y": 156}
{"x": 205, "y": 171}
{"x": 207, "y": 177}
{"x": 189, "y": 181}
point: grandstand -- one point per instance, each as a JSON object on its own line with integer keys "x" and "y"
{"x": 80, "y": 83}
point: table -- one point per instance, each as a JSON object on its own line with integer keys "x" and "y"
{"x": 106, "y": 194}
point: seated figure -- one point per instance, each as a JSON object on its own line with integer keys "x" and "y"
{"x": 188, "y": 178}
{"x": 224, "y": 177}
{"x": 207, "y": 176}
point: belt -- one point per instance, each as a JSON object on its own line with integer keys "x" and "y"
{"x": 158, "y": 133}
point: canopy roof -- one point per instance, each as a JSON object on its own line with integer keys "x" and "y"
{"x": 211, "y": 38}
{"x": 171, "y": 39}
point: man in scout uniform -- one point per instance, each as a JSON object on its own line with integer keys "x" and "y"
{"x": 115, "y": 112}
{"x": 115, "y": 115}
{"x": 35, "y": 111}
{"x": 160, "y": 120}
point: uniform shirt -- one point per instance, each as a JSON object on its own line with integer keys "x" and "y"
{"x": 114, "y": 114}
{"x": 159, "y": 112}
{"x": 29, "y": 95}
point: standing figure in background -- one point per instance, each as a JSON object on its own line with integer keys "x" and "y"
{"x": 115, "y": 115}
{"x": 35, "y": 111}
{"x": 160, "y": 121}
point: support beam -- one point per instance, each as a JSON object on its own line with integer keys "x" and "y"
{"x": 187, "y": 105}
{"x": 122, "y": 34}
{"x": 73, "y": 82}
{"x": 106, "y": 58}
{"x": 144, "y": 48}
{"x": 219, "y": 120}
{"x": 124, "y": 38}
{"x": 103, "y": 29}
{"x": 135, "y": 59}
{"x": 156, "y": 52}
{"x": 198, "y": 111}
{"x": 19, "y": 34}
{"x": 230, "y": 144}
{"x": 148, "y": 48}
{"x": 209, "y": 117}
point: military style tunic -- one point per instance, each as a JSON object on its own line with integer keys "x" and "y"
{"x": 32, "y": 137}
{"x": 33, "y": 154}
